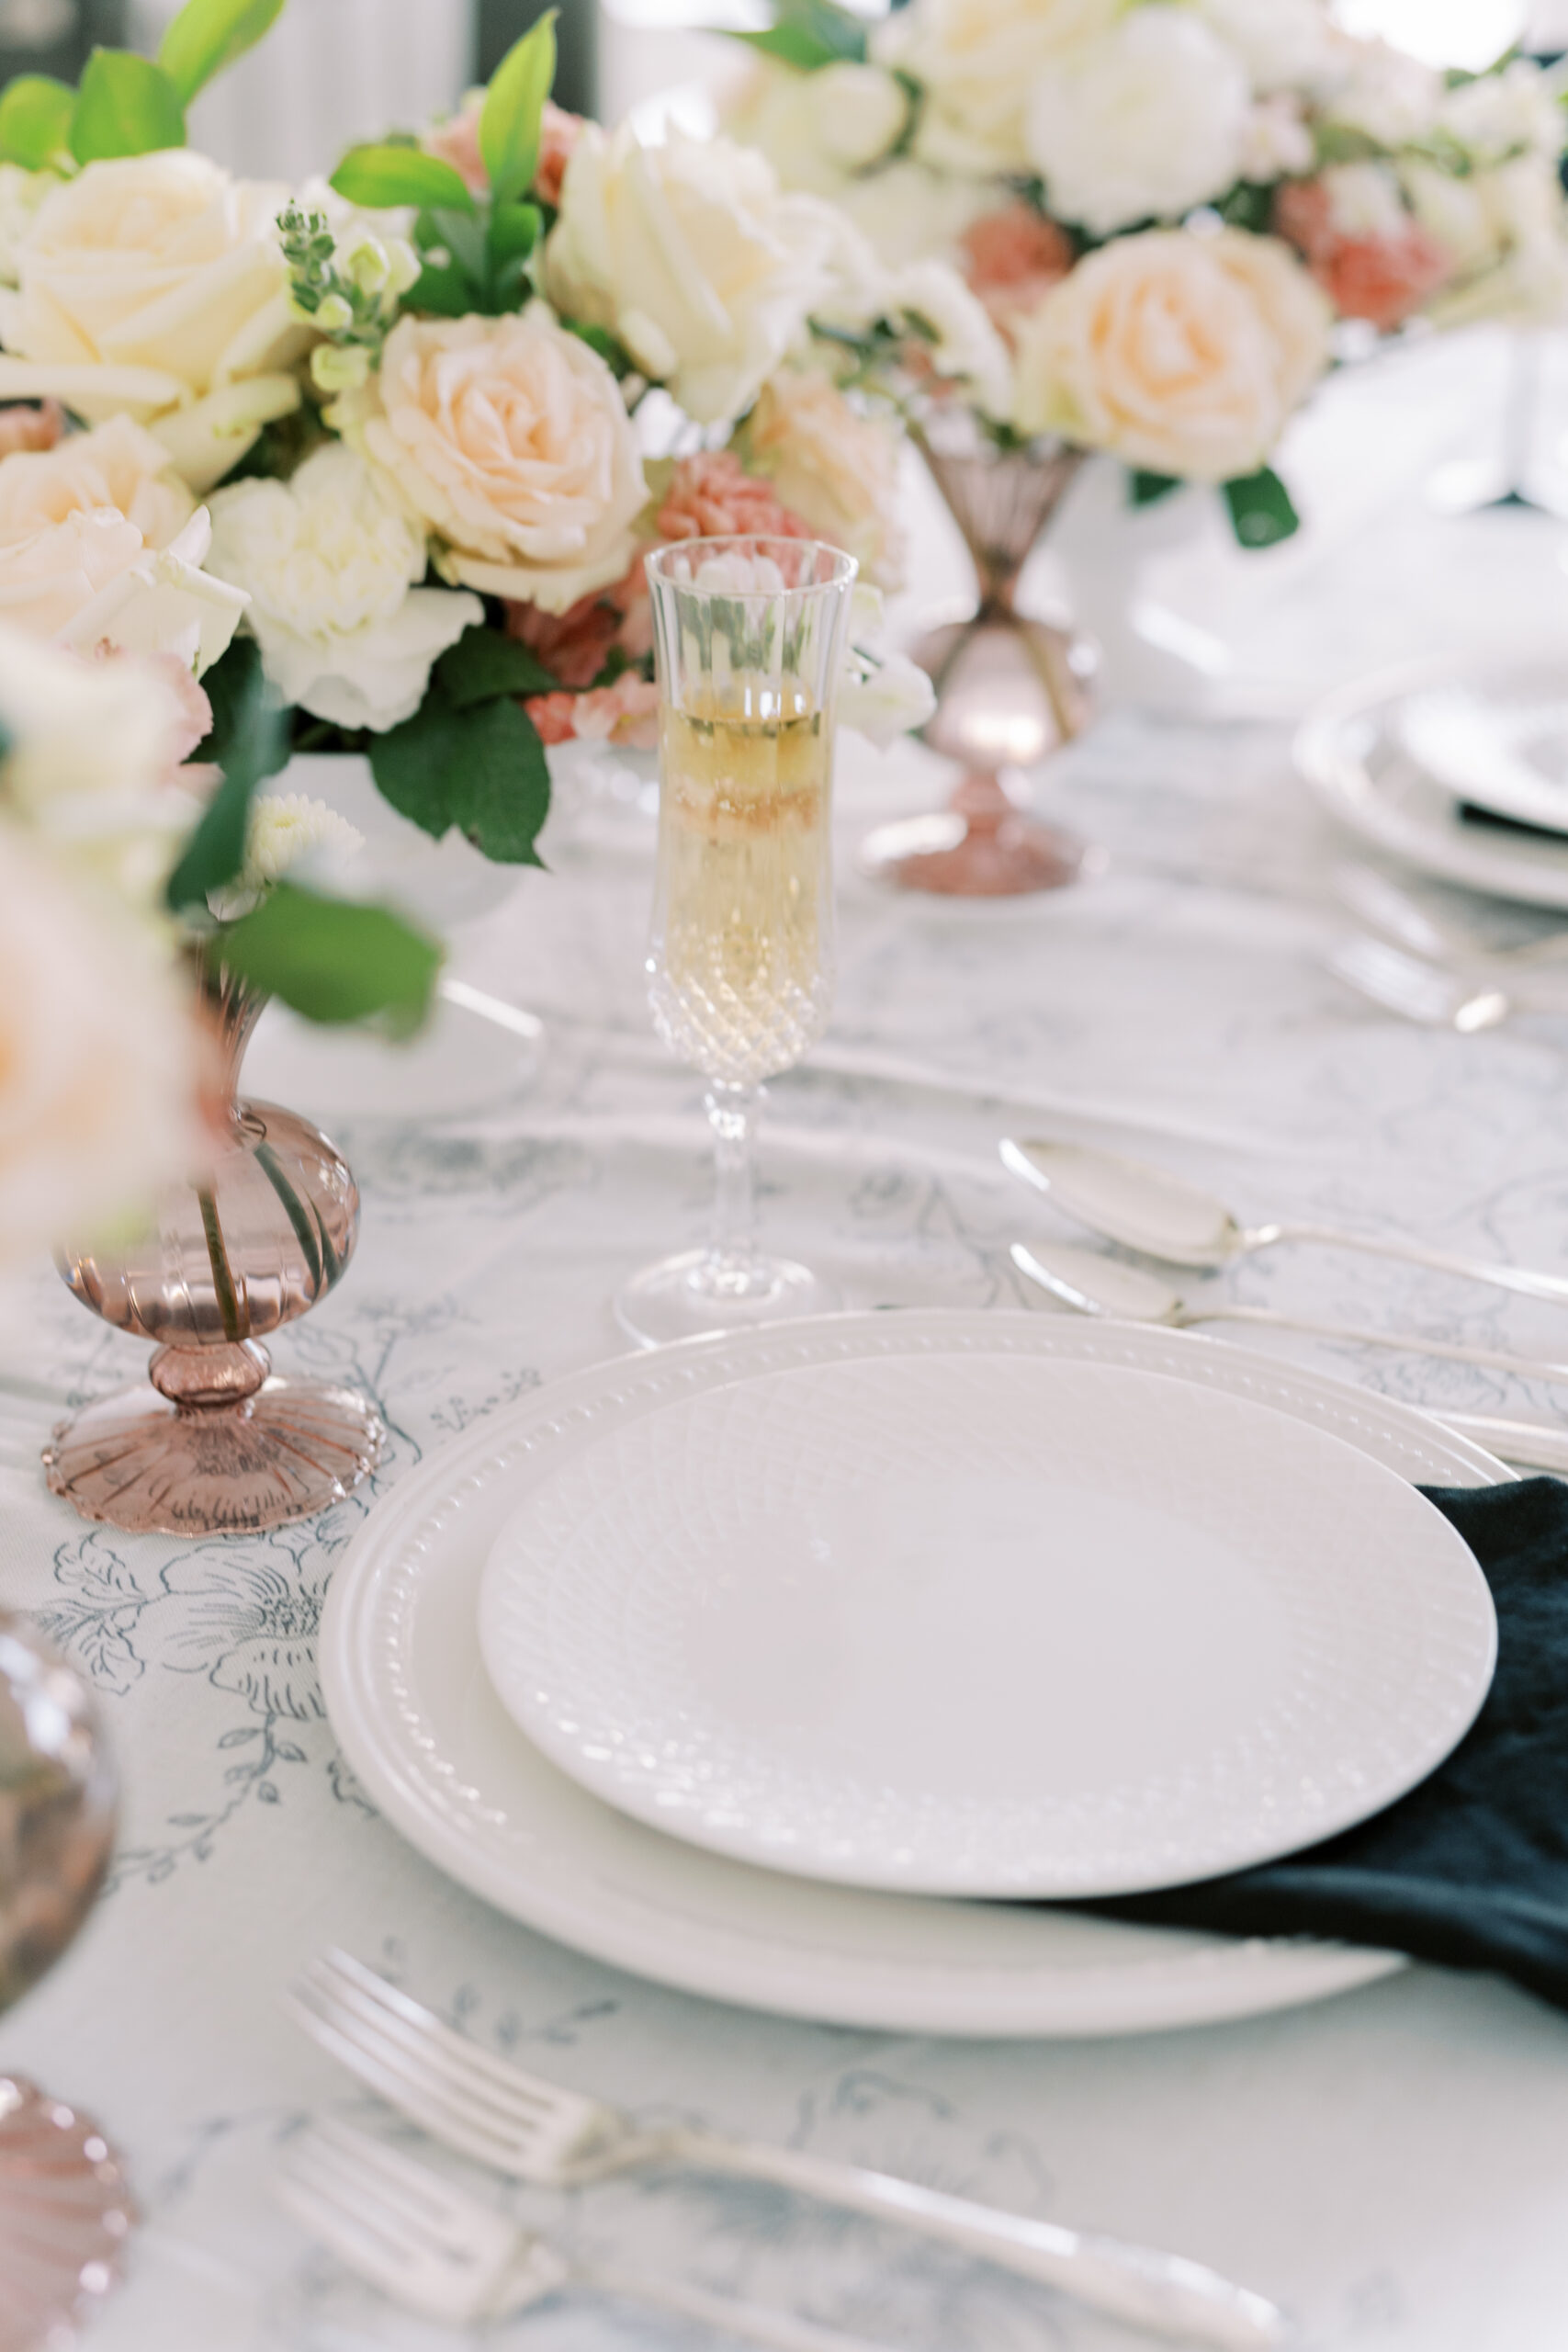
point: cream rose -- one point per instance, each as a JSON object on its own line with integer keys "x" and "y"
{"x": 1284, "y": 44}
{"x": 835, "y": 468}
{"x": 1175, "y": 351}
{"x": 978, "y": 61}
{"x": 333, "y": 564}
{"x": 1142, "y": 124}
{"x": 99, "y": 1060}
{"x": 101, "y": 544}
{"x": 692, "y": 254}
{"x": 155, "y": 285}
{"x": 509, "y": 439}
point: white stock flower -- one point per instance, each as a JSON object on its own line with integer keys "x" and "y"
{"x": 1524, "y": 279}
{"x": 906, "y": 213}
{"x": 333, "y": 562}
{"x": 961, "y": 343}
{"x": 773, "y": 107}
{"x": 1276, "y": 145}
{"x": 693, "y": 255}
{"x": 1501, "y": 115}
{"x": 155, "y": 285}
{"x": 978, "y": 61}
{"x": 1285, "y": 45}
{"x": 99, "y": 1057}
{"x": 92, "y": 767}
{"x": 861, "y": 112}
{"x": 1185, "y": 353}
{"x": 101, "y": 544}
{"x": 885, "y": 696}
{"x": 1392, "y": 99}
{"x": 1143, "y": 123}
{"x": 285, "y": 831}
{"x": 1364, "y": 200}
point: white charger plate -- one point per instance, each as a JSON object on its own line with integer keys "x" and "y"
{"x": 420, "y": 1724}
{"x": 1368, "y": 765}
{"x": 968, "y": 1626}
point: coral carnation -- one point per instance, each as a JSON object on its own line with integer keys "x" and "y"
{"x": 1384, "y": 279}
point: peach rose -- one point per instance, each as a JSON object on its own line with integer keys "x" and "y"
{"x": 510, "y": 438}
{"x": 101, "y": 544}
{"x": 834, "y": 467}
{"x": 1182, "y": 351}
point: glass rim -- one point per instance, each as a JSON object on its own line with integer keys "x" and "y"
{"x": 845, "y": 570}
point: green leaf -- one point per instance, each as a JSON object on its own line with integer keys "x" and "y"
{"x": 481, "y": 769}
{"x": 514, "y": 111}
{"x": 484, "y": 665}
{"x": 449, "y": 293}
{"x": 1144, "y": 489}
{"x": 35, "y": 120}
{"x": 209, "y": 34}
{"x": 381, "y": 177}
{"x": 513, "y": 232}
{"x": 334, "y": 960}
{"x": 809, "y": 34}
{"x": 1261, "y": 511}
{"x": 249, "y": 742}
{"x": 125, "y": 106}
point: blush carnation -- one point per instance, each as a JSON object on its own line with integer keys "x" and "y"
{"x": 1384, "y": 278}
{"x": 1011, "y": 260}
{"x": 573, "y": 646}
{"x": 23, "y": 426}
{"x": 711, "y": 496}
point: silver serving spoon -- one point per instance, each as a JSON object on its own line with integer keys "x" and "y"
{"x": 1091, "y": 1285}
{"x": 1162, "y": 1217}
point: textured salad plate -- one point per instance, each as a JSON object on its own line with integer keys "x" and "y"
{"x": 1394, "y": 758}
{"x": 422, "y": 1727}
{"x": 954, "y": 1624}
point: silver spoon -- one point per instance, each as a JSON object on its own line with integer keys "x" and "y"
{"x": 1162, "y": 1217}
{"x": 1428, "y": 994}
{"x": 1090, "y": 1285}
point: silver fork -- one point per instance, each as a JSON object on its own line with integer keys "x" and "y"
{"x": 1423, "y": 993}
{"x": 486, "y": 2107}
{"x": 435, "y": 2250}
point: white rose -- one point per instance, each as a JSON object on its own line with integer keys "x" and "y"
{"x": 99, "y": 1057}
{"x": 1177, "y": 352}
{"x": 92, "y": 770}
{"x": 332, "y": 563}
{"x": 1511, "y": 113}
{"x": 1364, "y": 201}
{"x": 509, "y": 439}
{"x": 860, "y": 113}
{"x": 1277, "y": 144}
{"x": 1389, "y": 96}
{"x": 21, "y": 193}
{"x": 1526, "y": 280}
{"x": 1457, "y": 212}
{"x": 1284, "y": 44}
{"x": 960, "y": 343}
{"x": 979, "y": 60}
{"x": 906, "y": 213}
{"x": 1143, "y": 123}
{"x": 831, "y": 465}
{"x": 156, "y": 286}
{"x": 773, "y": 108}
{"x": 693, "y": 256}
{"x": 101, "y": 544}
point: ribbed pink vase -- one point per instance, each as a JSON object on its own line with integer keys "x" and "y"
{"x": 219, "y": 1444}
{"x": 1010, "y": 690}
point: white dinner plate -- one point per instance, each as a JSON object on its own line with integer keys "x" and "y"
{"x": 1385, "y": 759}
{"x": 420, "y": 1724}
{"x": 966, "y": 1626}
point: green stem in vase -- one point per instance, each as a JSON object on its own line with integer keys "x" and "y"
{"x": 217, "y": 1259}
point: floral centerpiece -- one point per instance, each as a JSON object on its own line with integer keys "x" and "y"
{"x": 1167, "y": 206}
{"x": 398, "y": 444}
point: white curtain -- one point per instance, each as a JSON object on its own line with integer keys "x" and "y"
{"x": 330, "y": 73}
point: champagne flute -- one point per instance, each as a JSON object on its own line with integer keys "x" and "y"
{"x": 749, "y": 637}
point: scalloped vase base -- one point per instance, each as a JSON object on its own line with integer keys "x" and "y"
{"x": 147, "y": 1465}
{"x": 65, "y": 2214}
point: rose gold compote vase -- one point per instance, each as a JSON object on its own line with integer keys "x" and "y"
{"x": 1010, "y": 690}
{"x": 221, "y": 1444}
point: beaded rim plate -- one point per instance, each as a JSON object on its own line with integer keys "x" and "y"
{"x": 420, "y": 1724}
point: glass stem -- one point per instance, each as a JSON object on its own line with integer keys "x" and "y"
{"x": 733, "y": 1113}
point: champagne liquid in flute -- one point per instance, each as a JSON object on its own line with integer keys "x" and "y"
{"x": 743, "y": 966}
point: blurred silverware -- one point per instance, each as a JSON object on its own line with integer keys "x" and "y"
{"x": 487, "y": 2109}
{"x": 1400, "y": 917}
{"x": 1425, "y": 993}
{"x": 436, "y": 2250}
{"x": 1162, "y": 1216}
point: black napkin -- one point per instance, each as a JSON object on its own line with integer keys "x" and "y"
{"x": 1471, "y": 1870}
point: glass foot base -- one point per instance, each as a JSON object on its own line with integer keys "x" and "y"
{"x": 689, "y": 1296}
{"x": 65, "y": 2215}
{"x": 147, "y": 1465}
{"x": 953, "y": 858}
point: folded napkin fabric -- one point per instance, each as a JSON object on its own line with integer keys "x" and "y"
{"x": 1470, "y": 1869}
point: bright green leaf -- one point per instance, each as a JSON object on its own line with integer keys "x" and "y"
{"x": 35, "y": 120}
{"x": 514, "y": 111}
{"x": 209, "y": 34}
{"x": 249, "y": 742}
{"x": 809, "y": 34}
{"x": 481, "y": 768}
{"x": 381, "y": 177}
{"x": 513, "y": 232}
{"x": 332, "y": 959}
{"x": 1146, "y": 489}
{"x": 1261, "y": 511}
{"x": 449, "y": 293}
{"x": 484, "y": 665}
{"x": 125, "y": 106}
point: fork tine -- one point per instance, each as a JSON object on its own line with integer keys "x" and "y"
{"x": 376, "y": 2254}
{"x": 361, "y": 2174}
{"x": 512, "y": 2090}
{"x": 418, "y": 2090}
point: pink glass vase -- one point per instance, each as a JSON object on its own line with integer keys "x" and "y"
{"x": 219, "y": 1444}
{"x": 1010, "y": 690}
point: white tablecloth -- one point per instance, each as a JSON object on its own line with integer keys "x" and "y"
{"x": 1393, "y": 2165}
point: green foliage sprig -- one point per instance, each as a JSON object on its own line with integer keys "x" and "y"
{"x": 126, "y": 104}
